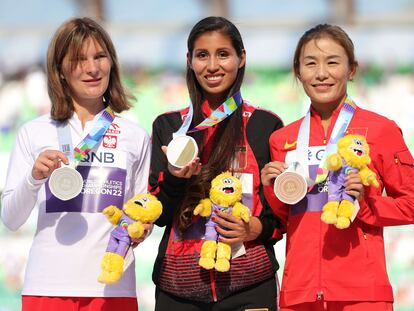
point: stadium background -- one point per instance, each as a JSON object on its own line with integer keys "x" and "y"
{"x": 150, "y": 37}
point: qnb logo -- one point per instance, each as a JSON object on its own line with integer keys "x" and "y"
{"x": 101, "y": 157}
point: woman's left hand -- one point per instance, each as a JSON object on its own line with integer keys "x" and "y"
{"x": 147, "y": 232}
{"x": 234, "y": 230}
{"x": 353, "y": 186}
{"x": 192, "y": 168}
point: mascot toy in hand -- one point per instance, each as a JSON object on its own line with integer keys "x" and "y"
{"x": 142, "y": 208}
{"x": 225, "y": 196}
{"x": 352, "y": 157}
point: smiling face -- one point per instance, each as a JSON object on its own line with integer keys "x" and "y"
{"x": 88, "y": 76}
{"x": 215, "y": 64}
{"x": 324, "y": 71}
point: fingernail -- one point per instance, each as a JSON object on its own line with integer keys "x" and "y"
{"x": 213, "y": 218}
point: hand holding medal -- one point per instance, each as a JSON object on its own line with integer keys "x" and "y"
{"x": 190, "y": 169}
{"x": 183, "y": 149}
{"x": 66, "y": 182}
{"x": 291, "y": 186}
{"x": 47, "y": 162}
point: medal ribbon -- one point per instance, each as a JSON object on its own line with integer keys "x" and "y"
{"x": 341, "y": 124}
{"x": 94, "y": 136}
{"x": 65, "y": 140}
{"x": 218, "y": 115}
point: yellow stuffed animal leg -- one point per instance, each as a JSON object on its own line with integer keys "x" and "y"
{"x": 208, "y": 254}
{"x": 330, "y": 210}
{"x": 112, "y": 268}
{"x": 105, "y": 263}
{"x": 223, "y": 257}
{"x": 345, "y": 211}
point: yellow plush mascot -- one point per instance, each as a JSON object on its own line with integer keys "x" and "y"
{"x": 225, "y": 195}
{"x": 352, "y": 156}
{"x": 142, "y": 208}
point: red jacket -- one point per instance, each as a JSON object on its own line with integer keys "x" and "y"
{"x": 349, "y": 264}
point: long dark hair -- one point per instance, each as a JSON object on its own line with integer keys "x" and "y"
{"x": 229, "y": 132}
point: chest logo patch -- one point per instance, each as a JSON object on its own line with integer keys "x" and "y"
{"x": 110, "y": 141}
{"x": 288, "y": 145}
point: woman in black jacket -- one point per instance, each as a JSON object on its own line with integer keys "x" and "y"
{"x": 239, "y": 144}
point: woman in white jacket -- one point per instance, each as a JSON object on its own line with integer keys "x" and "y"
{"x": 109, "y": 157}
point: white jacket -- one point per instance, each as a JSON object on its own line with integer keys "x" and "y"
{"x": 70, "y": 240}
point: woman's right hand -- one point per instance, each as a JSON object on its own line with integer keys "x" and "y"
{"x": 47, "y": 162}
{"x": 271, "y": 170}
{"x": 193, "y": 168}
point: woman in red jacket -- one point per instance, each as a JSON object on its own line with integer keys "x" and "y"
{"x": 329, "y": 268}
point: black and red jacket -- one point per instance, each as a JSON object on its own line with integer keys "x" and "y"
{"x": 176, "y": 268}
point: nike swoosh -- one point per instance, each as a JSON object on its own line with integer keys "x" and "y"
{"x": 289, "y": 146}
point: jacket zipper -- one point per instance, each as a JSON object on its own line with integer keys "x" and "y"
{"x": 319, "y": 294}
{"x": 396, "y": 159}
{"x": 213, "y": 285}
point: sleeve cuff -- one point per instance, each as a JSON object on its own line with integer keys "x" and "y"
{"x": 172, "y": 180}
{"x": 172, "y": 185}
{"x": 34, "y": 183}
{"x": 364, "y": 208}
{"x": 267, "y": 230}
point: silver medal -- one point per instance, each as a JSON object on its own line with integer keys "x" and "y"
{"x": 181, "y": 151}
{"x": 65, "y": 183}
